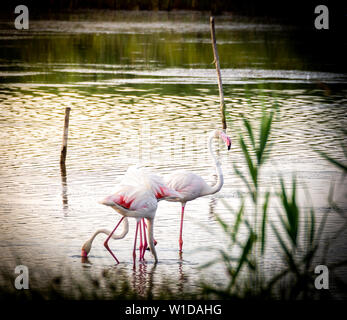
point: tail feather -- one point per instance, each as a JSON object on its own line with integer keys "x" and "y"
{"x": 108, "y": 201}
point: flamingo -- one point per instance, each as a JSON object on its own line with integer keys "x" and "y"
{"x": 191, "y": 186}
{"x": 137, "y": 197}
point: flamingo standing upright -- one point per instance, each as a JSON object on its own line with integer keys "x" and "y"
{"x": 136, "y": 196}
{"x": 191, "y": 186}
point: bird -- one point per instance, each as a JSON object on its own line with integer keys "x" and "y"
{"x": 137, "y": 197}
{"x": 191, "y": 186}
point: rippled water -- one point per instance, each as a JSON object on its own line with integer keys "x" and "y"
{"x": 143, "y": 90}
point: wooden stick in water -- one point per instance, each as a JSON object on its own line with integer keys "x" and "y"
{"x": 65, "y": 136}
{"x": 216, "y": 62}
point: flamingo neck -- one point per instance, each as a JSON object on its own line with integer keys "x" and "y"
{"x": 88, "y": 244}
{"x": 220, "y": 180}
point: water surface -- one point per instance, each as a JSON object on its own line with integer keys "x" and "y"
{"x": 143, "y": 90}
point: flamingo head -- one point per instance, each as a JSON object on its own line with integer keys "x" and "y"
{"x": 221, "y": 134}
{"x": 86, "y": 248}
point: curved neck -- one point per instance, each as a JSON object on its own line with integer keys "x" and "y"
{"x": 210, "y": 148}
{"x": 88, "y": 244}
{"x": 215, "y": 188}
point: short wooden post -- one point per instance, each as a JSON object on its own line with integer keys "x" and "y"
{"x": 216, "y": 62}
{"x": 65, "y": 136}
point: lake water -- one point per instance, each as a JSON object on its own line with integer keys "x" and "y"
{"x": 142, "y": 89}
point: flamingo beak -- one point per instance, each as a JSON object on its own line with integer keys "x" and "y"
{"x": 228, "y": 143}
{"x": 226, "y": 139}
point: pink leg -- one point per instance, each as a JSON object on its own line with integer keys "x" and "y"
{"x": 134, "y": 252}
{"x": 108, "y": 238}
{"x": 145, "y": 238}
{"x": 141, "y": 243}
{"x": 180, "y": 241}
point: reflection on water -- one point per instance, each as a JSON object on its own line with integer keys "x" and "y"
{"x": 145, "y": 91}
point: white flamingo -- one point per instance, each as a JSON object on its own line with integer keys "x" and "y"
{"x": 137, "y": 197}
{"x": 191, "y": 186}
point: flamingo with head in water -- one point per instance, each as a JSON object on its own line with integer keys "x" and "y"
{"x": 137, "y": 197}
{"x": 191, "y": 186}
